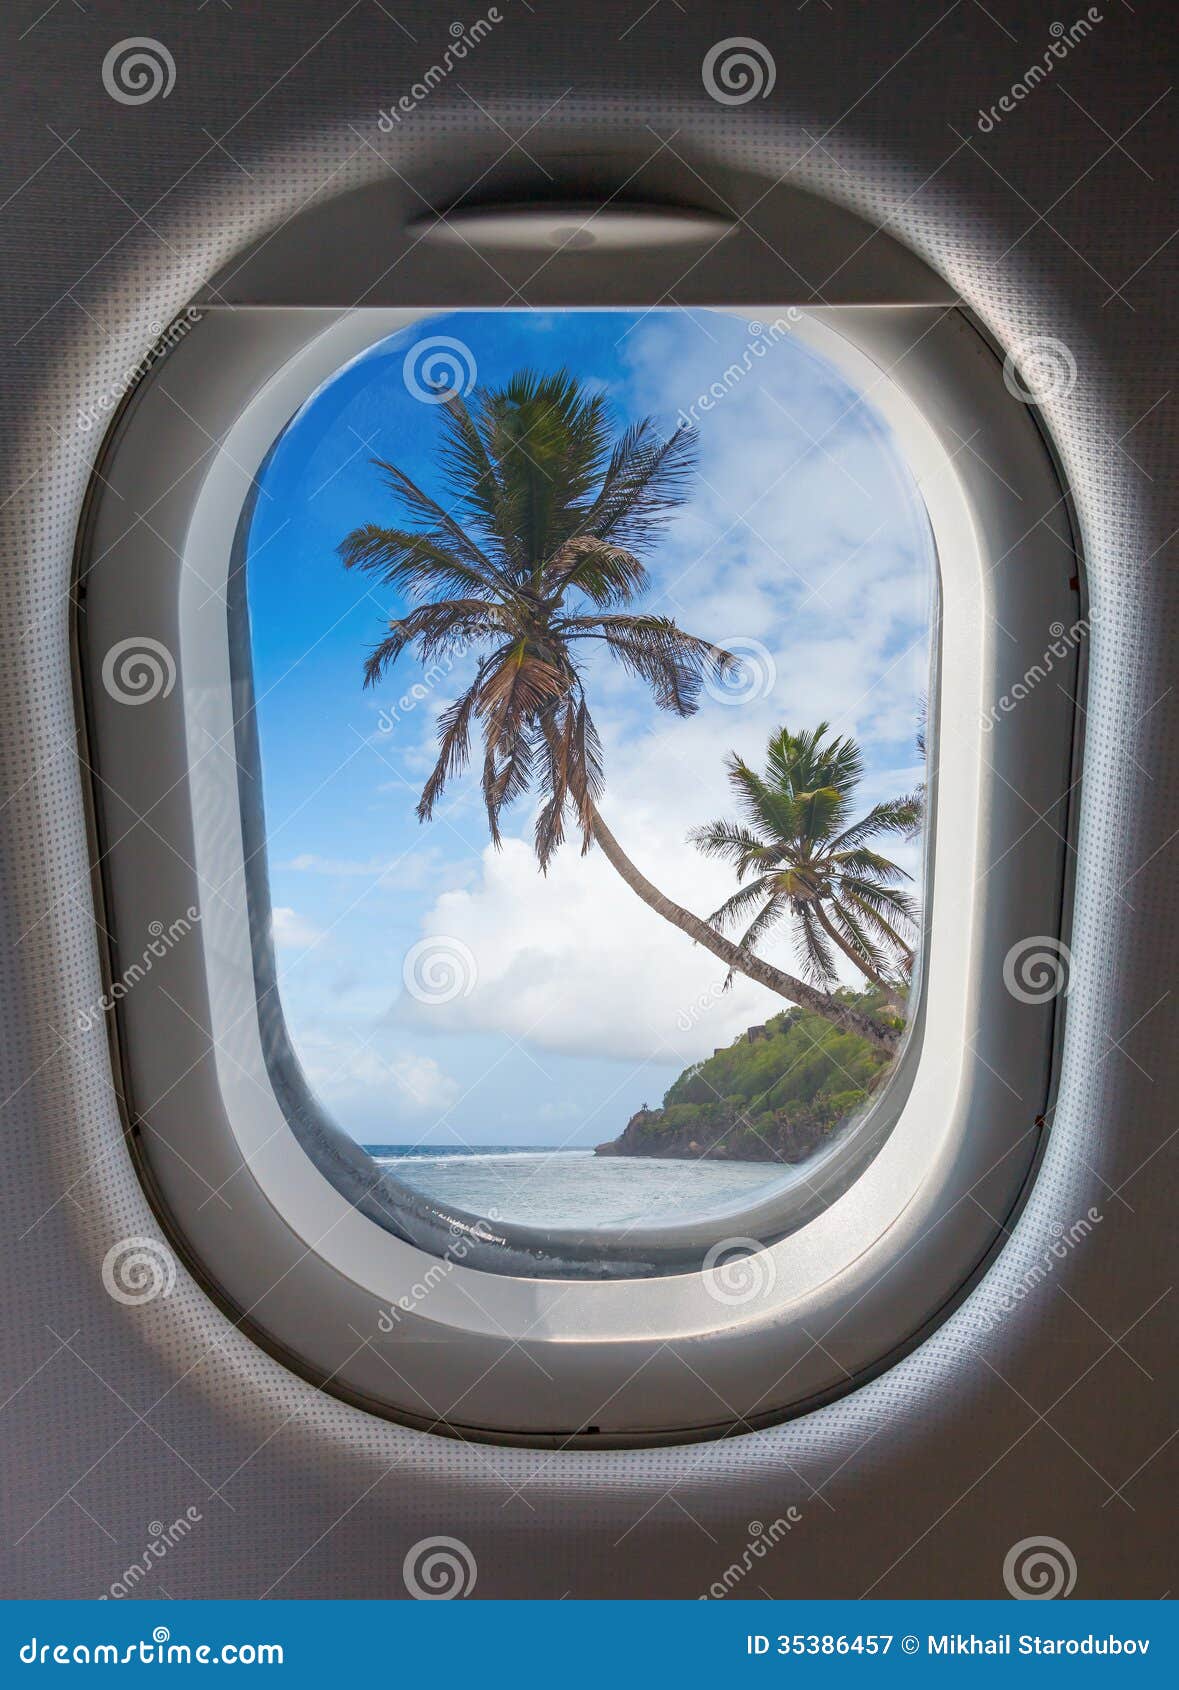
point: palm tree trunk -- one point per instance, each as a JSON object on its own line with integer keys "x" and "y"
{"x": 895, "y": 1002}
{"x": 786, "y": 985}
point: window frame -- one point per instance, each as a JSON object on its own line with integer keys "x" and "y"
{"x": 311, "y": 1273}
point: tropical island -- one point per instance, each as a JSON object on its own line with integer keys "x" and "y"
{"x": 776, "y": 1094}
{"x": 529, "y": 562}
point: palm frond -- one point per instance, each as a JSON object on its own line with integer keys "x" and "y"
{"x": 895, "y": 815}
{"x": 737, "y": 907}
{"x": 805, "y": 761}
{"x": 818, "y": 960}
{"x": 606, "y": 573}
{"x": 862, "y": 861}
{"x": 765, "y": 807}
{"x": 454, "y": 745}
{"x": 473, "y": 476}
{"x": 435, "y": 631}
{"x": 420, "y": 564}
{"x": 645, "y": 481}
{"x": 437, "y": 521}
{"x": 736, "y": 844}
{"x": 843, "y": 916}
{"x": 658, "y": 651}
{"x": 892, "y": 912}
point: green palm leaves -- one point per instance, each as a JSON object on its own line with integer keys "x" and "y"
{"x": 801, "y": 857}
{"x": 529, "y": 562}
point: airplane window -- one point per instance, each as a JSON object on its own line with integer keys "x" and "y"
{"x": 590, "y": 655}
{"x": 576, "y": 760}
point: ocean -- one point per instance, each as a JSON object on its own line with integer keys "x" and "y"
{"x": 575, "y": 1188}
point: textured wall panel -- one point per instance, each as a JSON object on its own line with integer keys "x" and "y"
{"x": 1057, "y": 222}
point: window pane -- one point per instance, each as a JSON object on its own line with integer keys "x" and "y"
{"x": 647, "y": 602}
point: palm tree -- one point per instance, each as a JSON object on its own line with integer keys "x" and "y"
{"x": 530, "y": 565}
{"x": 811, "y": 863}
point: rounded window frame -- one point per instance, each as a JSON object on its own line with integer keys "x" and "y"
{"x": 309, "y": 1272}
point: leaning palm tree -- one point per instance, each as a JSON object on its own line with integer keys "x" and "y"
{"x": 530, "y": 564}
{"x": 802, "y": 858}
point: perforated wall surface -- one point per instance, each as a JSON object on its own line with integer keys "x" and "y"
{"x": 1053, "y": 1416}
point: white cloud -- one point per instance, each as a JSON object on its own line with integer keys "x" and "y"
{"x": 292, "y": 931}
{"x": 422, "y": 1082}
{"x": 575, "y": 962}
{"x": 342, "y": 1070}
{"x": 345, "y": 867}
{"x": 412, "y": 871}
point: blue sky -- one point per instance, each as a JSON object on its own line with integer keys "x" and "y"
{"x": 803, "y": 544}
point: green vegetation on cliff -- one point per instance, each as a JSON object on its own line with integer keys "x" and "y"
{"x": 774, "y": 1094}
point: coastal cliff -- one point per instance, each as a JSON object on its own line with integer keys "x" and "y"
{"x": 773, "y": 1095}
